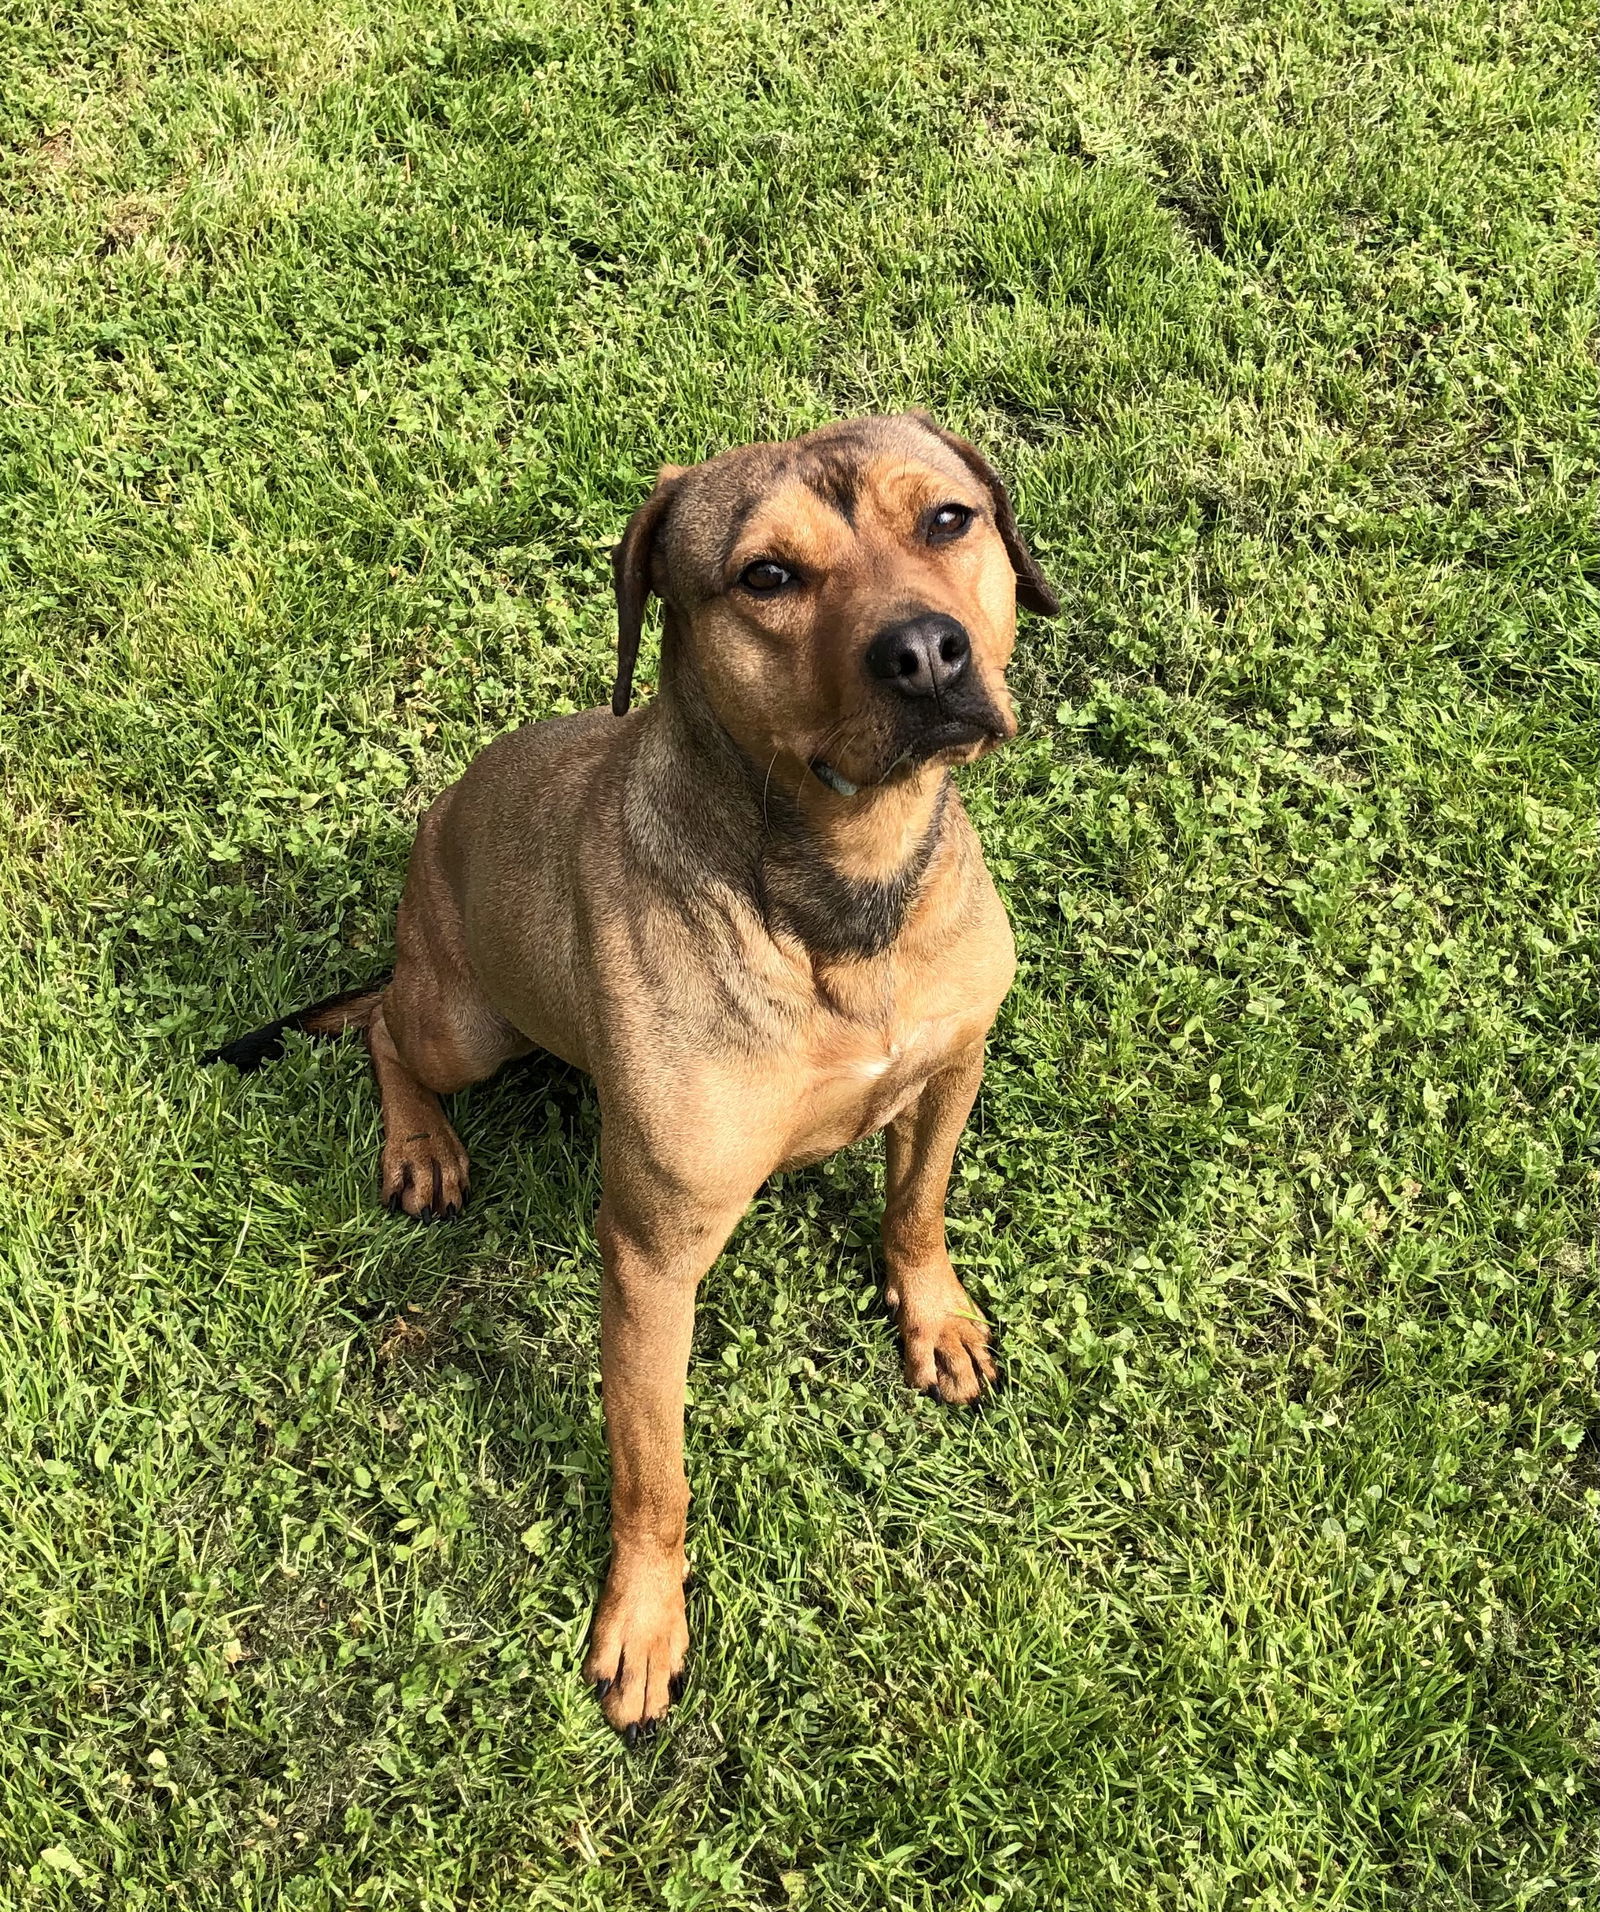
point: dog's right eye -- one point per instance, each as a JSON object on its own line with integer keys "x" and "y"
{"x": 765, "y": 576}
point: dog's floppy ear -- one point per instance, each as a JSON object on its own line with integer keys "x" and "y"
{"x": 630, "y": 566}
{"x": 1033, "y": 589}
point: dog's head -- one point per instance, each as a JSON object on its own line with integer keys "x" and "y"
{"x": 847, "y": 600}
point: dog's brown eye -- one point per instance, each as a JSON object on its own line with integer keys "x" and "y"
{"x": 765, "y": 576}
{"x": 948, "y": 521}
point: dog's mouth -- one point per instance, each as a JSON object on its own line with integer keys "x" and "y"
{"x": 957, "y": 739}
{"x": 955, "y": 733}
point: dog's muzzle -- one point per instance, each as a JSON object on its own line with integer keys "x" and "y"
{"x": 930, "y": 697}
{"x": 925, "y": 664}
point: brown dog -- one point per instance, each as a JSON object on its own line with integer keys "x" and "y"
{"x": 755, "y": 912}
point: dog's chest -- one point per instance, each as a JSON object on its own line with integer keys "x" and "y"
{"x": 864, "y": 1070}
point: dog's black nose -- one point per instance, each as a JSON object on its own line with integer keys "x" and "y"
{"x": 921, "y": 655}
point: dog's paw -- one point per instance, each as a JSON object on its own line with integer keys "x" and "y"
{"x": 638, "y": 1646}
{"x": 425, "y": 1174}
{"x": 947, "y": 1352}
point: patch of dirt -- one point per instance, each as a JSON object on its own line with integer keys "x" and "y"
{"x": 131, "y": 219}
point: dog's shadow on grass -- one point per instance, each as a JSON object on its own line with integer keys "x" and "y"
{"x": 510, "y": 1289}
{"x": 532, "y": 1133}
{"x": 507, "y": 1295}
{"x": 488, "y": 1324}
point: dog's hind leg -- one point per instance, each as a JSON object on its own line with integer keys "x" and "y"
{"x": 424, "y": 1166}
{"x": 431, "y": 1035}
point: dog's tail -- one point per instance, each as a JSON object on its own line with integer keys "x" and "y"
{"x": 350, "y": 1009}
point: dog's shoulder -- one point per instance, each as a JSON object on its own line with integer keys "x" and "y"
{"x": 549, "y": 748}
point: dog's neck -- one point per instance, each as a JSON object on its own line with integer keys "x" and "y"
{"x": 840, "y": 874}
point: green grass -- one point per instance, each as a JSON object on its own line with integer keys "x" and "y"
{"x": 336, "y": 343}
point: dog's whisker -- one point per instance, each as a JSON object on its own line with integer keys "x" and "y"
{"x": 824, "y": 771}
{"x": 766, "y": 785}
{"x": 828, "y": 738}
{"x": 832, "y": 735}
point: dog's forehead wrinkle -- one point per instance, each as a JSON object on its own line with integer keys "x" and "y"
{"x": 738, "y": 518}
{"x": 837, "y": 482}
{"x": 792, "y": 523}
{"x": 836, "y": 462}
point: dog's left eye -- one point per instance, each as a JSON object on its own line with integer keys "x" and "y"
{"x": 948, "y": 521}
{"x": 765, "y": 576}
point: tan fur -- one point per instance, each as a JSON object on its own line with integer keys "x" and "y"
{"x": 616, "y": 890}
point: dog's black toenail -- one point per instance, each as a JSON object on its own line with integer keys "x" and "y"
{"x": 601, "y": 1688}
{"x": 631, "y": 1734}
{"x": 425, "y": 1213}
{"x": 393, "y": 1203}
{"x": 676, "y": 1685}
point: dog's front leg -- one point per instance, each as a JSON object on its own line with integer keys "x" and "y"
{"x": 653, "y": 1262}
{"x": 945, "y": 1337}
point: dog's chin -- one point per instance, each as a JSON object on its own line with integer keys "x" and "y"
{"x": 958, "y": 741}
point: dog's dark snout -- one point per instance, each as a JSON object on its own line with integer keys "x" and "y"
{"x": 920, "y": 655}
